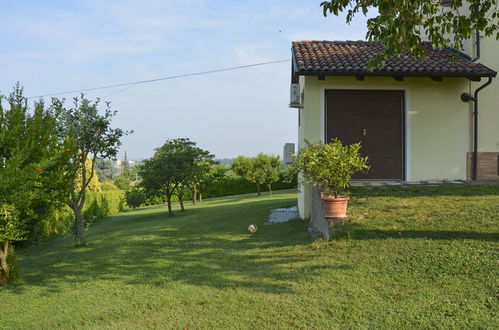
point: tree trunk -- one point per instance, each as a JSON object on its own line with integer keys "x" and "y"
{"x": 181, "y": 201}
{"x": 80, "y": 233}
{"x": 258, "y": 189}
{"x": 169, "y": 202}
{"x": 270, "y": 188}
{"x": 194, "y": 194}
{"x": 4, "y": 267}
{"x": 200, "y": 196}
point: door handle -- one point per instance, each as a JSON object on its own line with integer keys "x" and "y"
{"x": 364, "y": 132}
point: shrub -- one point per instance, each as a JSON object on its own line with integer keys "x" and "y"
{"x": 135, "y": 198}
{"x": 97, "y": 205}
{"x": 102, "y": 204}
{"x": 122, "y": 183}
{"x": 108, "y": 185}
{"x": 235, "y": 185}
{"x": 330, "y": 166}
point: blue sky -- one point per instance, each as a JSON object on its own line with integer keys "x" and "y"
{"x": 54, "y": 46}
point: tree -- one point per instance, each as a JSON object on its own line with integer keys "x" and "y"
{"x": 94, "y": 183}
{"x": 402, "y": 25}
{"x": 93, "y": 139}
{"x": 171, "y": 168}
{"x": 200, "y": 177}
{"x": 246, "y": 168}
{"x": 105, "y": 169}
{"x": 32, "y": 163}
{"x": 125, "y": 167}
{"x": 216, "y": 172}
{"x": 267, "y": 168}
{"x": 135, "y": 198}
{"x": 122, "y": 182}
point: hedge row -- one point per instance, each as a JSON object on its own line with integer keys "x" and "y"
{"x": 97, "y": 205}
{"x": 235, "y": 185}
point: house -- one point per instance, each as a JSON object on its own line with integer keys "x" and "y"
{"x": 415, "y": 118}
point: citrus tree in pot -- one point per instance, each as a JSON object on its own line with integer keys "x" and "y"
{"x": 330, "y": 167}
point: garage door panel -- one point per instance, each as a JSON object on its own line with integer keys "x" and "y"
{"x": 373, "y": 118}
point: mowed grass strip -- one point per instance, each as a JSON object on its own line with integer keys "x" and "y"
{"x": 410, "y": 257}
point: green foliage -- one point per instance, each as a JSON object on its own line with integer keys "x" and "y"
{"x": 32, "y": 159}
{"x": 93, "y": 182}
{"x": 262, "y": 169}
{"x": 330, "y": 166}
{"x": 235, "y": 185}
{"x": 135, "y": 198}
{"x": 245, "y": 168}
{"x": 102, "y": 204}
{"x": 12, "y": 227}
{"x": 59, "y": 220}
{"x": 173, "y": 166}
{"x": 401, "y": 25}
{"x": 108, "y": 185}
{"x": 267, "y": 169}
{"x": 122, "y": 182}
{"x": 93, "y": 138}
{"x": 105, "y": 169}
{"x": 214, "y": 173}
{"x": 56, "y": 220}
{"x": 125, "y": 167}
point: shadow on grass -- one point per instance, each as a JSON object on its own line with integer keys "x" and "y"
{"x": 205, "y": 246}
{"x": 360, "y": 232}
{"x": 418, "y": 191}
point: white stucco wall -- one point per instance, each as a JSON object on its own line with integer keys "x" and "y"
{"x": 438, "y": 123}
{"x": 488, "y": 117}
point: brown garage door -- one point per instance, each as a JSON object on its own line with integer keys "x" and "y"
{"x": 374, "y": 118}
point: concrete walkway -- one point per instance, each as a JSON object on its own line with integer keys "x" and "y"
{"x": 283, "y": 215}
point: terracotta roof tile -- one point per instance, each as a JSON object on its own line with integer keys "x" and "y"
{"x": 350, "y": 58}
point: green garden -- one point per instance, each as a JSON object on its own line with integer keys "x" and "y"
{"x": 166, "y": 245}
{"x": 422, "y": 257}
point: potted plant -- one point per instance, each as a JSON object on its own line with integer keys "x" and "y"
{"x": 330, "y": 167}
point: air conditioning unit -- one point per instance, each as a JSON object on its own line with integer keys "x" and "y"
{"x": 295, "y": 96}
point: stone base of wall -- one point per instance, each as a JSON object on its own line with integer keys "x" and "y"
{"x": 317, "y": 219}
{"x": 488, "y": 166}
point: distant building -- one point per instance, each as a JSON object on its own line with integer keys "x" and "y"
{"x": 289, "y": 150}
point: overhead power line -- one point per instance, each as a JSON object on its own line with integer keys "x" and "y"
{"x": 135, "y": 83}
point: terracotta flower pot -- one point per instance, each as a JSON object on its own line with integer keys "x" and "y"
{"x": 335, "y": 207}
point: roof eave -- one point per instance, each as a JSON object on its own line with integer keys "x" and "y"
{"x": 391, "y": 74}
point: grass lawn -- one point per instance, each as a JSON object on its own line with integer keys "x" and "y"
{"x": 411, "y": 257}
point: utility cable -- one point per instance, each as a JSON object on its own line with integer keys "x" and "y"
{"x": 135, "y": 83}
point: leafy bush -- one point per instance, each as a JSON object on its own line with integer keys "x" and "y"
{"x": 330, "y": 166}
{"x": 102, "y": 204}
{"x": 135, "y": 198}
{"x": 97, "y": 205}
{"x": 122, "y": 183}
